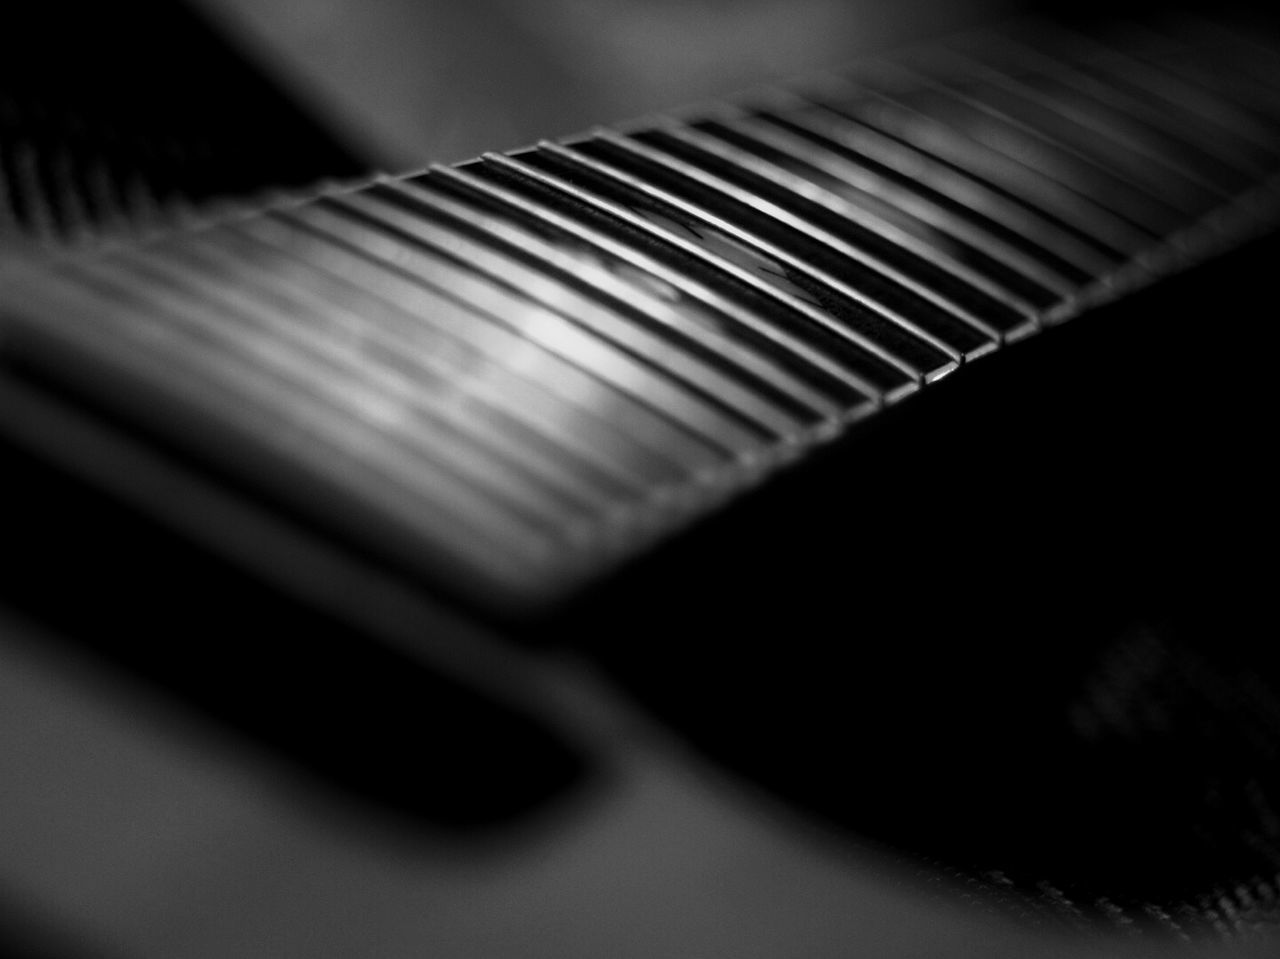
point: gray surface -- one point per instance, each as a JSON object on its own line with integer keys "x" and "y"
{"x": 439, "y": 80}
{"x": 135, "y": 832}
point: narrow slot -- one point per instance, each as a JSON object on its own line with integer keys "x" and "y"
{"x": 514, "y": 323}
{"x": 567, "y": 430}
{"x": 1117, "y": 148}
{"x": 1035, "y": 148}
{"x": 748, "y": 331}
{"x": 398, "y": 234}
{"x": 615, "y": 427}
{"x": 446, "y": 392}
{"x": 963, "y": 334}
{"x": 801, "y": 394}
{"x": 967, "y": 185}
{"x": 882, "y": 376}
{"x": 1098, "y": 225}
{"x": 647, "y": 199}
{"x": 417, "y": 434}
{"x": 996, "y": 285}
{"x": 1036, "y": 247}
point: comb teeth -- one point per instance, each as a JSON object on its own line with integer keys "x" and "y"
{"x": 524, "y": 368}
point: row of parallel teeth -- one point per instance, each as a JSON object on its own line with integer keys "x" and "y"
{"x": 537, "y": 361}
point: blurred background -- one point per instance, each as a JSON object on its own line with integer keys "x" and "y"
{"x": 440, "y": 80}
{"x": 118, "y": 108}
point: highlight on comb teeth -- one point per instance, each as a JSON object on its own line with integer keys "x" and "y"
{"x": 532, "y": 365}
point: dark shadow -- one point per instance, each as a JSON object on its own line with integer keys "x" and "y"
{"x": 1015, "y": 626}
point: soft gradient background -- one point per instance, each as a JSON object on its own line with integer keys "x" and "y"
{"x": 438, "y": 80}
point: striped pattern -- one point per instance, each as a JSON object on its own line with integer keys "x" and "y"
{"x": 518, "y": 371}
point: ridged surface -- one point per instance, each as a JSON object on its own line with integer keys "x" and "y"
{"x": 511, "y": 374}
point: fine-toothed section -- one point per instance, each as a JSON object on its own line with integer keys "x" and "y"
{"x": 507, "y": 376}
